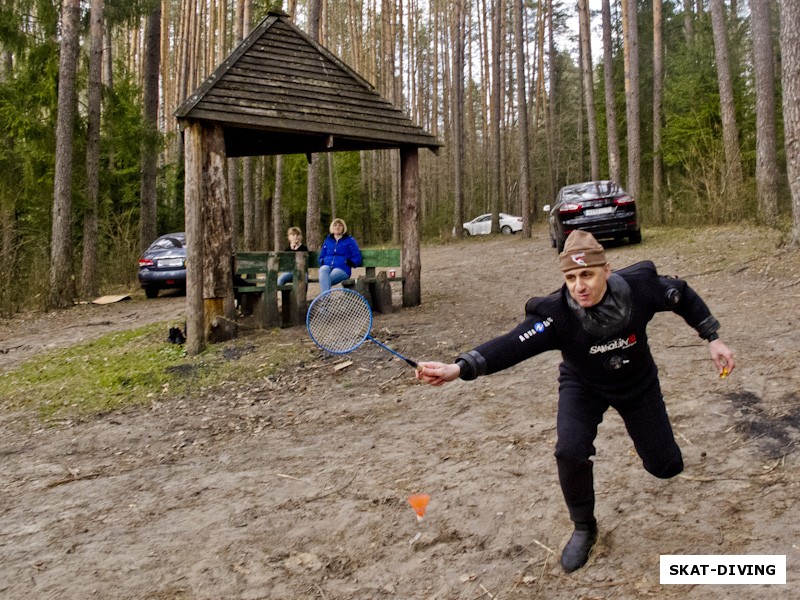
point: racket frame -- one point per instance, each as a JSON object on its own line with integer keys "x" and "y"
{"x": 367, "y": 335}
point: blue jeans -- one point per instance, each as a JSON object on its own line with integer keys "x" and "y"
{"x": 286, "y": 277}
{"x": 329, "y": 277}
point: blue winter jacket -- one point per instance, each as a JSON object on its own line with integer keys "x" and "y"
{"x": 342, "y": 254}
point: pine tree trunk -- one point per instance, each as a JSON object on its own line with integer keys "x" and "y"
{"x": 89, "y": 267}
{"x": 688, "y": 21}
{"x": 277, "y": 206}
{"x": 790, "y": 79}
{"x": 495, "y": 167}
{"x": 588, "y": 86}
{"x": 766, "y": 141}
{"x": 409, "y": 200}
{"x": 631, "y": 57}
{"x": 8, "y": 257}
{"x": 364, "y": 179}
{"x": 524, "y": 153}
{"x": 152, "y": 62}
{"x": 457, "y": 107}
{"x": 314, "y": 236}
{"x": 552, "y": 153}
{"x": 612, "y": 134}
{"x": 730, "y": 130}
{"x": 331, "y": 183}
{"x": 61, "y": 291}
{"x": 658, "y": 86}
{"x": 237, "y": 181}
{"x": 249, "y": 223}
{"x": 248, "y": 204}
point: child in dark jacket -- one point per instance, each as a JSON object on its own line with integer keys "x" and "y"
{"x": 295, "y": 237}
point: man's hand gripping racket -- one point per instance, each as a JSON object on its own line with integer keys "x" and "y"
{"x": 340, "y": 320}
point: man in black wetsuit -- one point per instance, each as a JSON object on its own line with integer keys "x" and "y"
{"x": 598, "y": 321}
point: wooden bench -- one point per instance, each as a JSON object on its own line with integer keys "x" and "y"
{"x": 256, "y": 286}
{"x": 256, "y": 282}
{"x": 372, "y": 279}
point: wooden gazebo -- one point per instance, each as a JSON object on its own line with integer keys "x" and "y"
{"x": 280, "y": 92}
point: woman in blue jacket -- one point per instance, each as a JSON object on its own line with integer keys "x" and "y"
{"x": 339, "y": 253}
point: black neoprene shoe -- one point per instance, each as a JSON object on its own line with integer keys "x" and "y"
{"x": 576, "y": 552}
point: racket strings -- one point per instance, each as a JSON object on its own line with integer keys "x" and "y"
{"x": 339, "y": 323}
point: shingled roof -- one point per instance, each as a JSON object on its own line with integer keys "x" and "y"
{"x": 280, "y": 92}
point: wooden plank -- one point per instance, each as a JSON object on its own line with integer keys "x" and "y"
{"x": 229, "y": 114}
{"x": 251, "y": 262}
{"x": 285, "y": 87}
{"x": 381, "y": 257}
{"x": 287, "y": 84}
{"x": 318, "y": 106}
{"x": 237, "y": 112}
{"x": 256, "y": 262}
{"x": 373, "y": 257}
{"x": 284, "y": 27}
{"x": 306, "y": 116}
{"x": 184, "y": 109}
{"x": 263, "y": 63}
{"x": 319, "y": 102}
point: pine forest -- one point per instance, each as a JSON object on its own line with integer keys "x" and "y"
{"x": 692, "y": 105}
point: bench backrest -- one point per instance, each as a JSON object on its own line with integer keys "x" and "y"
{"x": 373, "y": 257}
{"x": 256, "y": 262}
{"x": 251, "y": 263}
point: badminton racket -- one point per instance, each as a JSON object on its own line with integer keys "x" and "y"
{"x": 340, "y": 320}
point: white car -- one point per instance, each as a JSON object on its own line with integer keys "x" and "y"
{"x": 483, "y": 225}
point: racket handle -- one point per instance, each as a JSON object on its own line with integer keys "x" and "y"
{"x": 397, "y": 354}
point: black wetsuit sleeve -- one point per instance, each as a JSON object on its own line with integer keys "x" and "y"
{"x": 692, "y": 308}
{"x": 674, "y": 294}
{"x": 534, "y": 335}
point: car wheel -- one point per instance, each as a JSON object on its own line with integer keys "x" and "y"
{"x": 635, "y": 238}
{"x": 466, "y": 232}
{"x": 552, "y": 241}
{"x": 151, "y": 291}
{"x": 505, "y": 229}
{"x": 560, "y": 245}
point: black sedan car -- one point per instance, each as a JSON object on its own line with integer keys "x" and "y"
{"x": 602, "y": 208}
{"x": 163, "y": 264}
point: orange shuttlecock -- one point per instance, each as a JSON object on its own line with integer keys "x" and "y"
{"x": 419, "y": 502}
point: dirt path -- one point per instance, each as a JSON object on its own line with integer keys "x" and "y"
{"x": 32, "y": 333}
{"x": 295, "y": 487}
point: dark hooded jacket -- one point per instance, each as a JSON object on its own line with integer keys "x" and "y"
{"x": 603, "y": 347}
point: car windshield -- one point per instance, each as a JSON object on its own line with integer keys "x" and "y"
{"x": 591, "y": 189}
{"x": 167, "y": 242}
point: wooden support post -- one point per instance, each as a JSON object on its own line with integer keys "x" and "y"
{"x": 381, "y": 292}
{"x": 409, "y": 225}
{"x": 272, "y": 317}
{"x": 218, "y": 239}
{"x": 299, "y": 288}
{"x": 209, "y": 276}
{"x": 193, "y": 164}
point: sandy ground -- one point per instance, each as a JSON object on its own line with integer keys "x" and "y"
{"x": 295, "y": 486}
